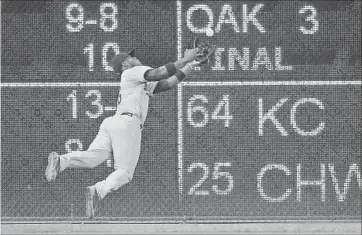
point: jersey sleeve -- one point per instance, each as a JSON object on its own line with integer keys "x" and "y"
{"x": 136, "y": 74}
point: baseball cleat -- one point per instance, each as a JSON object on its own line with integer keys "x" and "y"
{"x": 53, "y": 166}
{"x": 92, "y": 200}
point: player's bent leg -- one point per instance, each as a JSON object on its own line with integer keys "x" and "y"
{"x": 125, "y": 133}
{"x": 114, "y": 181}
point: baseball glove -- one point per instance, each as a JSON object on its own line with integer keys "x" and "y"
{"x": 205, "y": 51}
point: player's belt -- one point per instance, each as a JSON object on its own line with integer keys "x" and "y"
{"x": 131, "y": 115}
{"x": 127, "y": 113}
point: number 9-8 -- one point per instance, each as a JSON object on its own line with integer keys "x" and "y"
{"x": 76, "y": 21}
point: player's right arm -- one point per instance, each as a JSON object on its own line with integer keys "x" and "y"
{"x": 170, "y": 69}
{"x": 173, "y": 81}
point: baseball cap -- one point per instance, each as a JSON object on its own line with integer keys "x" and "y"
{"x": 118, "y": 60}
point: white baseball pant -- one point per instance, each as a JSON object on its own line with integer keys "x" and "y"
{"x": 119, "y": 136}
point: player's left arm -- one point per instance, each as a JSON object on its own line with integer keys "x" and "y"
{"x": 173, "y": 81}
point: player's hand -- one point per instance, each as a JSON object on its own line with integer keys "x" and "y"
{"x": 191, "y": 54}
{"x": 194, "y": 63}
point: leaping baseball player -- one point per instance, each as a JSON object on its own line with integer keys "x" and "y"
{"x": 120, "y": 135}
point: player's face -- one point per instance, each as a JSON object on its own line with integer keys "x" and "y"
{"x": 130, "y": 62}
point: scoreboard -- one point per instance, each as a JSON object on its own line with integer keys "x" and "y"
{"x": 273, "y": 144}
{"x": 270, "y": 130}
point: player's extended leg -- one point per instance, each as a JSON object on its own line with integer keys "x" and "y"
{"x": 99, "y": 151}
{"x": 126, "y": 140}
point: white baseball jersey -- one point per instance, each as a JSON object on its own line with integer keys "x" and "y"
{"x": 134, "y": 92}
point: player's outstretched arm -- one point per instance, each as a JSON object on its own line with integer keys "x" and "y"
{"x": 173, "y": 81}
{"x": 170, "y": 69}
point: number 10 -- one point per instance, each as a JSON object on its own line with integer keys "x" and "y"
{"x": 90, "y": 50}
